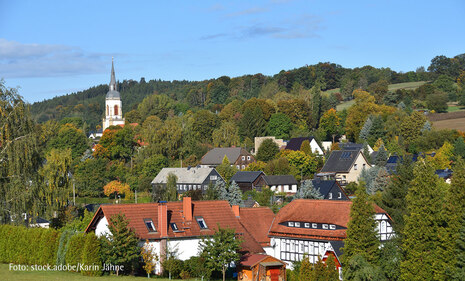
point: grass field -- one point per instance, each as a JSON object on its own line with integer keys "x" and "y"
{"x": 7, "y": 275}
{"x": 345, "y": 105}
{"x": 407, "y": 86}
{"x": 457, "y": 124}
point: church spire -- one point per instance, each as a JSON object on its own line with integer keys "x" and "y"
{"x": 113, "y": 79}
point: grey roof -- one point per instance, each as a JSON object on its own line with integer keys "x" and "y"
{"x": 184, "y": 175}
{"x": 279, "y": 180}
{"x": 351, "y": 146}
{"x": 340, "y": 161}
{"x": 246, "y": 176}
{"x": 296, "y": 143}
{"x": 216, "y": 155}
{"x": 337, "y": 246}
{"x": 113, "y": 92}
{"x": 324, "y": 186}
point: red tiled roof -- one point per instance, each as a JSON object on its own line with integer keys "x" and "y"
{"x": 257, "y": 221}
{"x": 251, "y": 260}
{"x": 214, "y": 213}
{"x": 314, "y": 211}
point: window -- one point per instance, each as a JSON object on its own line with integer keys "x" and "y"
{"x": 108, "y": 110}
{"x": 238, "y": 167}
{"x": 243, "y": 158}
{"x": 213, "y": 178}
{"x": 297, "y": 224}
{"x": 201, "y": 222}
{"x": 291, "y": 223}
{"x": 116, "y": 110}
{"x": 149, "y": 225}
{"x": 307, "y": 225}
{"x": 330, "y": 196}
{"x": 325, "y": 226}
{"x": 339, "y": 195}
{"x": 332, "y": 226}
{"x": 243, "y": 167}
{"x": 355, "y": 166}
{"x": 174, "y": 227}
{"x": 314, "y": 225}
{"x": 248, "y": 158}
{"x": 344, "y": 177}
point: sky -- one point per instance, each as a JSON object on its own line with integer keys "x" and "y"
{"x": 52, "y": 48}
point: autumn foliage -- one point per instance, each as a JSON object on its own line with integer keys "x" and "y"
{"x": 117, "y": 188}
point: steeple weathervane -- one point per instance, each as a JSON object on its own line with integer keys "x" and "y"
{"x": 113, "y": 79}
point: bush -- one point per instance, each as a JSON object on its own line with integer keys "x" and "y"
{"x": 22, "y": 245}
{"x": 91, "y": 255}
{"x": 75, "y": 249}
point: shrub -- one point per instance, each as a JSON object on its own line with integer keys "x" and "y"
{"x": 75, "y": 249}
{"x": 91, "y": 255}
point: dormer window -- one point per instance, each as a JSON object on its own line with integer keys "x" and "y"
{"x": 297, "y": 224}
{"x": 291, "y": 223}
{"x": 174, "y": 227}
{"x": 325, "y": 226}
{"x": 332, "y": 226}
{"x": 201, "y": 223}
{"x": 314, "y": 225}
{"x": 307, "y": 225}
{"x": 330, "y": 196}
{"x": 150, "y": 226}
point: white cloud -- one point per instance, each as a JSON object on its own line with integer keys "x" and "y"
{"x": 19, "y": 60}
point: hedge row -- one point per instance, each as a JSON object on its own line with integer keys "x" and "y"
{"x": 23, "y": 245}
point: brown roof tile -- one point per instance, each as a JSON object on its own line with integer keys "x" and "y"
{"x": 314, "y": 211}
{"x": 213, "y": 212}
{"x": 258, "y": 222}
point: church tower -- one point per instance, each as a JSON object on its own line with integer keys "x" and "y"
{"x": 113, "y": 105}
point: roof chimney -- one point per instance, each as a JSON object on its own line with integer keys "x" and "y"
{"x": 187, "y": 208}
{"x": 236, "y": 210}
{"x": 163, "y": 219}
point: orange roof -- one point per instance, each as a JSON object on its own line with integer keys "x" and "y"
{"x": 258, "y": 222}
{"x": 314, "y": 211}
{"x": 214, "y": 213}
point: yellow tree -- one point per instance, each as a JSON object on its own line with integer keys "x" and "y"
{"x": 149, "y": 257}
{"x": 117, "y": 188}
{"x": 330, "y": 123}
{"x": 443, "y": 156}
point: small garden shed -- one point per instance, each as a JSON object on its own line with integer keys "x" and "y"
{"x": 258, "y": 267}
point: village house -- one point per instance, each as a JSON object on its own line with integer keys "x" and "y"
{"x": 261, "y": 267}
{"x": 176, "y": 225}
{"x": 248, "y": 180}
{"x": 282, "y": 183}
{"x": 279, "y": 142}
{"x": 296, "y": 143}
{"x": 344, "y": 166}
{"x": 190, "y": 178}
{"x": 316, "y": 227}
{"x": 237, "y": 156}
{"x": 330, "y": 189}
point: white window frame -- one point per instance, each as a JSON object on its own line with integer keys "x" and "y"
{"x": 325, "y": 226}
{"x": 314, "y": 225}
{"x": 297, "y": 224}
{"x": 150, "y": 221}
{"x": 200, "y": 221}
{"x": 330, "y": 195}
{"x": 307, "y": 225}
{"x": 332, "y": 227}
{"x": 243, "y": 158}
{"x": 248, "y": 158}
{"x": 290, "y": 224}
{"x": 355, "y": 166}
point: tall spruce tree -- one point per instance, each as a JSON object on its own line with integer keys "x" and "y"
{"x": 308, "y": 191}
{"x": 235, "y": 194}
{"x": 365, "y": 131}
{"x": 381, "y": 157}
{"x": 362, "y": 238}
{"x": 458, "y": 271}
{"x": 425, "y": 232}
{"x": 393, "y": 198}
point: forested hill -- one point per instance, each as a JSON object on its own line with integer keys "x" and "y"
{"x": 214, "y": 93}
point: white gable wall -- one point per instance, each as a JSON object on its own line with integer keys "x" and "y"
{"x": 315, "y": 147}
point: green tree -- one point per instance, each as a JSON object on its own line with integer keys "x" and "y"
{"x": 171, "y": 190}
{"x": 235, "y": 194}
{"x": 70, "y": 137}
{"x": 91, "y": 255}
{"x": 306, "y": 269}
{"x": 267, "y": 150}
{"x": 458, "y": 271}
{"x": 18, "y": 157}
{"x": 330, "y": 123}
{"x": 361, "y": 232}
{"x": 305, "y": 147}
{"x": 359, "y": 269}
{"x": 226, "y": 170}
{"x": 365, "y": 131}
{"x": 220, "y": 250}
{"x": 393, "y": 198}
{"x": 226, "y": 135}
{"x": 55, "y": 174}
{"x": 410, "y": 127}
{"x": 381, "y": 157}
{"x": 425, "y": 230}
{"x": 252, "y": 124}
{"x": 459, "y": 147}
{"x": 204, "y": 122}
{"x": 280, "y": 125}
{"x": 437, "y": 102}
{"x": 120, "y": 247}
{"x": 308, "y": 191}
{"x": 90, "y": 176}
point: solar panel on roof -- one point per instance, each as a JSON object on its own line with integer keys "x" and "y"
{"x": 345, "y": 155}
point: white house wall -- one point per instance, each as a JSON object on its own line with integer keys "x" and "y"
{"x": 290, "y": 250}
{"x": 102, "y": 227}
{"x": 315, "y": 147}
